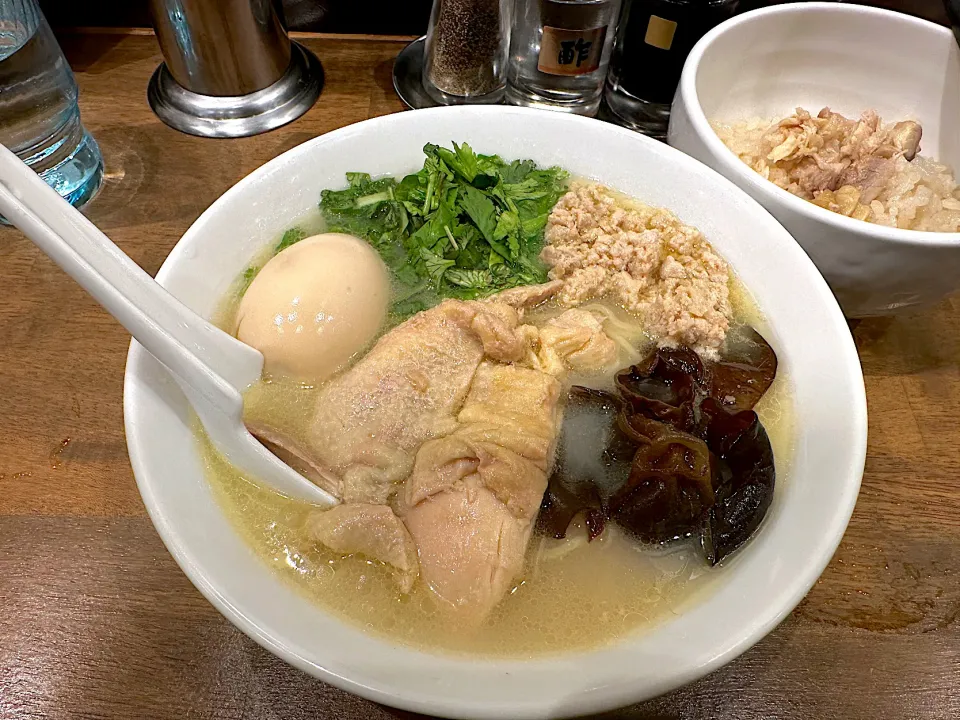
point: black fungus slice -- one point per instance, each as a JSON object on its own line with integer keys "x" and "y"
{"x": 678, "y": 452}
{"x": 744, "y": 481}
{"x": 668, "y": 490}
{"x": 740, "y": 380}
{"x": 594, "y": 458}
{"x": 665, "y": 387}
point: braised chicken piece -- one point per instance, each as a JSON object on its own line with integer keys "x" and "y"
{"x": 576, "y": 340}
{"x": 472, "y": 499}
{"x": 370, "y": 421}
{"x": 439, "y": 440}
{"x": 373, "y": 531}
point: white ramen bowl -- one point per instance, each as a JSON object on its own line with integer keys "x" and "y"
{"x": 851, "y": 58}
{"x": 814, "y": 499}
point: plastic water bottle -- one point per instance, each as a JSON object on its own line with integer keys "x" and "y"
{"x": 39, "y": 115}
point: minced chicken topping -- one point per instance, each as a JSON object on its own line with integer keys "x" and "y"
{"x": 643, "y": 258}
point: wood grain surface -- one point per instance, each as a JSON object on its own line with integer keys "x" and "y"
{"x": 97, "y": 621}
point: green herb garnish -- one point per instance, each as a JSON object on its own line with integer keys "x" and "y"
{"x": 290, "y": 237}
{"x": 465, "y": 226}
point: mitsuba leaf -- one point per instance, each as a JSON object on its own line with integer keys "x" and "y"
{"x": 481, "y": 210}
{"x": 357, "y": 179}
{"x": 508, "y": 226}
{"x": 434, "y": 228}
{"x": 462, "y": 160}
{"x": 516, "y": 171}
{"x": 474, "y": 279}
{"x": 436, "y": 265}
{"x": 291, "y": 237}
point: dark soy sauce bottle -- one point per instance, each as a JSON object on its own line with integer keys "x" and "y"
{"x": 653, "y": 40}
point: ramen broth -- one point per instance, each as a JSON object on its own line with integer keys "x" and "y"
{"x": 573, "y": 595}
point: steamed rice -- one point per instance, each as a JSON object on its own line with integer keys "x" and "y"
{"x": 921, "y": 194}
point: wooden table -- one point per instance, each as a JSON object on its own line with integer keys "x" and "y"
{"x": 96, "y": 620}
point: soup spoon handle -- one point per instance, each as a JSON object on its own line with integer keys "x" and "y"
{"x": 208, "y": 364}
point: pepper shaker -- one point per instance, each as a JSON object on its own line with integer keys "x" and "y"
{"x": 653, "y": 40}
{"x": 559, "y": 53}
{"x": 465, "y": 56}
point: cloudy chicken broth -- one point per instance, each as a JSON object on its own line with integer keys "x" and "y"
{"x": 565, "y": 594}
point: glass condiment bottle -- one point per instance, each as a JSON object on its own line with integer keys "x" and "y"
{"x": 559, "y": 53}
{"x": 465, "y": 55}
{"x": 654, "y": 38}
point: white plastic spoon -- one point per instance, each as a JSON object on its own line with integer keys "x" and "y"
{"x": 208, "y": 364}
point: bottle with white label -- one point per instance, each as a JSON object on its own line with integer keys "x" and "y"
{"x": 559, "y": 52}
{"x": 654, "y": 38}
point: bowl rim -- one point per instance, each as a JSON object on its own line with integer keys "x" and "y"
{"x": 769, "y": 191}
{"x": 615, "y": 694}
